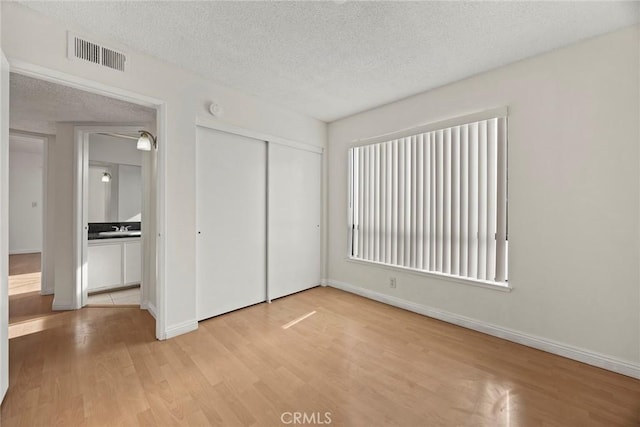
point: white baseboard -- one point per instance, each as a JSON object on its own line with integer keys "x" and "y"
{"x": 46, "y": 291}
{"x": 24, "y": 251}
{"x": 181, "y": 328}
{"x": 570, "y": 352}
{"x": 146, "y": 305}
{"x": 62, "y": 305}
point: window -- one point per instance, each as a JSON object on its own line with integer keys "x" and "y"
{"x": 434, "y": 201}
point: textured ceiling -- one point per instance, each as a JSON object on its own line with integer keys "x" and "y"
{"x": 333, "y": 59}
{"x": 37, "y": 105}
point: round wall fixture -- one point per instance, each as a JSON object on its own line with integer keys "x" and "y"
{"x": 215, "y": 109}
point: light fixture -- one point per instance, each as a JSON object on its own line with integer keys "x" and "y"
{"x": 106, "y": 177}
{"x": 146, "y": 140}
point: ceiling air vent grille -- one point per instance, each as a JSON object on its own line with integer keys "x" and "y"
{"x": 113, "y": 59}
{"x": 81, "y": 48}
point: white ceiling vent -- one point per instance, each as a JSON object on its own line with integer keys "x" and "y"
{"x": 82, "y": 48}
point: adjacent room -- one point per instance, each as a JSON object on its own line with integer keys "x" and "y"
{"x": 320, "y": 213}
{"x": 42, "y": 114}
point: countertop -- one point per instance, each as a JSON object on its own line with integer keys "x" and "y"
{"x": 96, "y": 236}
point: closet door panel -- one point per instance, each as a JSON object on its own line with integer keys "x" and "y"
{"x": 231, "y": 222}
{"x": 294, "y": 220}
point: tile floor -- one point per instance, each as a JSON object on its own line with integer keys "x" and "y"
{"x": 126, "y": 296}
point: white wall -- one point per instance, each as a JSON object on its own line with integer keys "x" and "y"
{"x": 4, "y": 224}
{"x": 573, "y": 196}
{"x": 25, "y": 189}
{"x": 48, "y": 267}
{"x": 60, "y": 188}
{"x": 98, "y": 194}
{"x": 129, "y": 193}
{"x": 32, "y": 38}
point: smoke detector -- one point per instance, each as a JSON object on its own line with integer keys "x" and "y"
{"x": 215, "y": 109}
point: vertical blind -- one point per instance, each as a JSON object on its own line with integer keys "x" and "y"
{"x": 434, "y": 201}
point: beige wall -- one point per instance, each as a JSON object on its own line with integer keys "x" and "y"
{"x": 4, "y": 225}
{"x": 25, "y": 187}
{"x": 573, "y": 196}
{"x": 60, "y": 188}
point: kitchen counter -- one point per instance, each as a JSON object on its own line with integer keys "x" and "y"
{"x": 95, "y": 228}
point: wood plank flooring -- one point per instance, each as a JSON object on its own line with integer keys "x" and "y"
{"x": 25, "y": 301}
{"x": 364, "y": 363}
{"x": 24, "y": 273}
{"x": 25, "y": 264}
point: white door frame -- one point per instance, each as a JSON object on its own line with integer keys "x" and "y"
{"x": 4, "y": 225}
{"x": 45, "y": 288}
{"x": 54, "y": 76}
{"x": 237, "y": 130}
{"x": 81, "y": 203}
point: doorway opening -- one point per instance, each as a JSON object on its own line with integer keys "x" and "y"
{"x": 40, "y": 105}
{"x": 115, "y": 194}
{"x": 29, "y": 294}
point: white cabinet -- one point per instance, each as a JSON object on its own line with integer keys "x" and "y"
{"x": 132, "y": 260}
{"x": 105, "y": 266}
{"x": 113, "y": 263}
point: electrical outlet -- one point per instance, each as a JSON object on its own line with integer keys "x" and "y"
{"x": 392, "y": 282}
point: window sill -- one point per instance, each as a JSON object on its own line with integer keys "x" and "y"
{"x": 478, "y": 283}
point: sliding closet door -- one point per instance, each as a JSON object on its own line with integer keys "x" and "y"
{"x": 231, "y": 222}
{"x": 294, "y": 220}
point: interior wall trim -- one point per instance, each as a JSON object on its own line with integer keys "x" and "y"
{"x": 71, "y": 80}
{"x": 180, "y": 328}
{"x": 581, "y": 355}
{"x": 146, "y": 305}
{"x": 58, "y": 305}
{"x": 236, "y": 130}
{"x": 25, "y": 251}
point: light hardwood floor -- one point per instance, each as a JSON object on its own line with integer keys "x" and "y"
{"x": 365, "y": 363}
{"x": 29, "y": 311}
{"x": 25, "y": 301}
